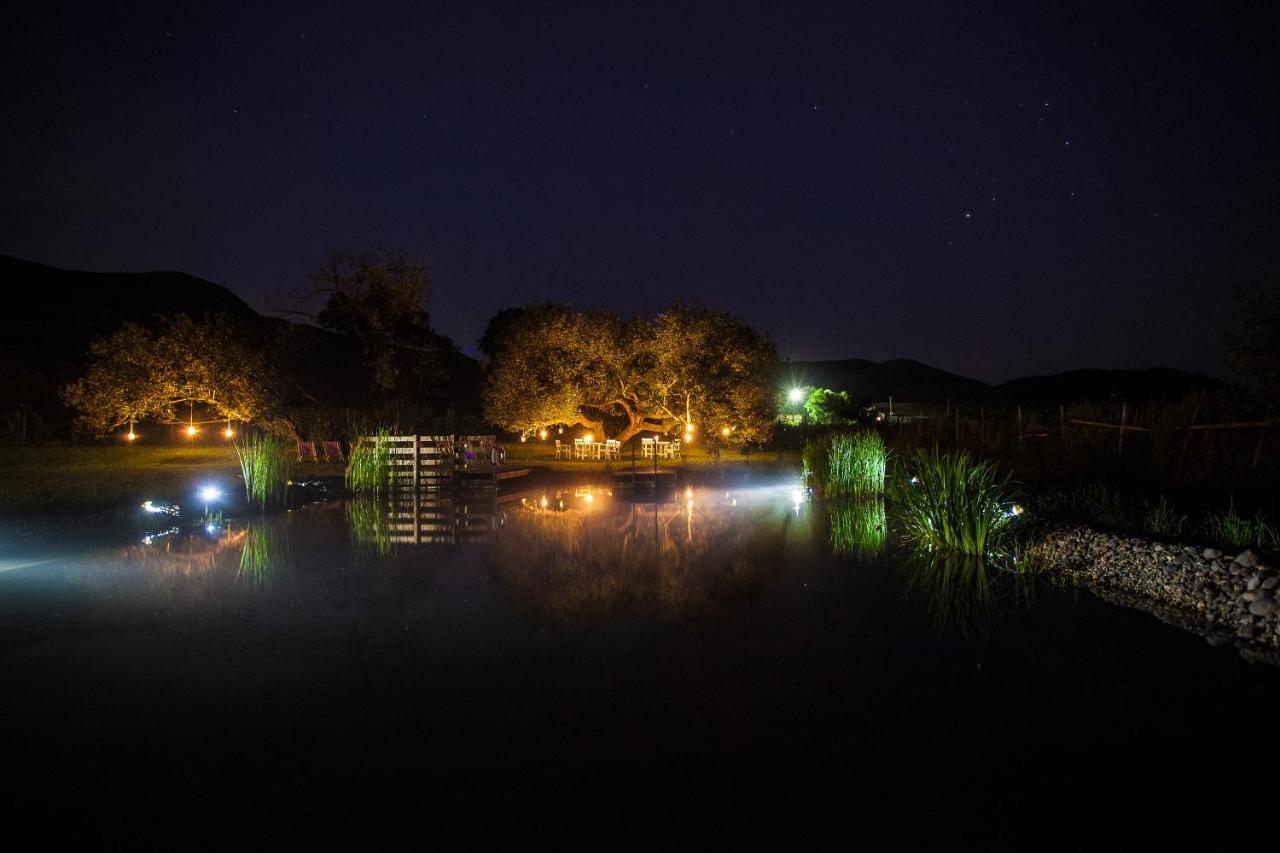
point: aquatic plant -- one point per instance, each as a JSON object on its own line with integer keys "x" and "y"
{"x": 958, "y": 590}
{"x": 846, "y": 464}
{"x": 953, "y": 502}
{"x": 369, "y": 467}
{"x": 1162, "y": 519}
{"x": 1235, "y": 531}
{"x": 266, "y": 463}
{"x": 858, "y": 528}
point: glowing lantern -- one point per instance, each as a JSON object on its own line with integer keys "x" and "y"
{"x": 191, "y": 431}
{"x": 542, "y": 434}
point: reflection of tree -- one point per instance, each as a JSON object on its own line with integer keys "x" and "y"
{"x": 858, "y": 528}
{"x": 182, "y": 553}
{"x": 675, "y": 561}
{"x": 265, "y": 546}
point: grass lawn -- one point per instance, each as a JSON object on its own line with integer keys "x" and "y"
{"x": 34, "y": 477}
{"x": 541, "y": 454}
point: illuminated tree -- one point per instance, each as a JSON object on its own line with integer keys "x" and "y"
{"x": 687, "y": 366}
{"x": 136, "y": 373}
{"x": 824, "y": 406}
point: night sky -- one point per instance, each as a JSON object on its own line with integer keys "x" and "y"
{"x": 998, "y": 191}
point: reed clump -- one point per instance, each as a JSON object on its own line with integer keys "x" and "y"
{"x": 953, "y": 502}
{"x": 266, "y": 464}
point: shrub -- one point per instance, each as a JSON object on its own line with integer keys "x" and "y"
{"x": 952, "y": 502}
{"x": 266, "y": 463}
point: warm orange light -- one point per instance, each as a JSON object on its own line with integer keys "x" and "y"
{"x": 132, "y": 436}
{"x": 542, "y": 434}
{"x": 588, "y": 438}
{"x": 725, "y": 432}
{"x": 191, "y": 430}
{"x": 229, "y": 432}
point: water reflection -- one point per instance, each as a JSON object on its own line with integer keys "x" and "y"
{"x": 390, "y": 521}
{"x": 857, "y": 528}
{"x": 589, "y": 555}
{"x": 963, "y": 593}
{"x": 266, "y": 546}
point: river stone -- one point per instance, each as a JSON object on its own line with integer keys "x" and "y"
{"x": 1263, "y": 606}
{"x": 1212, "y": 553}
{"x": 1251, "y": 595}
{"x": 1248, "y": 559}
{"x": 1271, "y": 583}
{"x": 1254, "y": 583}
{"x": 1178, "y": 559}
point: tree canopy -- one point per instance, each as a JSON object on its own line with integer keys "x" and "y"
{"x": 689, "y": 366}
{"x": 380, "y": 299}
{"x": 824, "y": 406}
{"x": 137, "y": 373}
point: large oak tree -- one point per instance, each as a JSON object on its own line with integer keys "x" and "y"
{"x": 137, "y": 373}
{"x": 696, "y": 366}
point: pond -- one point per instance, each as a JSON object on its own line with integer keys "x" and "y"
{"x": 715, "y": 662}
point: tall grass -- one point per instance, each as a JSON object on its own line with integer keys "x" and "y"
{"x": 858, "y": 527}
{"x": 952, "y": 502}
{"x": 369, "y": 468}
{"x": 369, "y": 523}
{"x": 1162, "y": 519}
{"x": 266, "y": 463}
{"x": 1235, "y": 531}
{"x": 846, "y": 464}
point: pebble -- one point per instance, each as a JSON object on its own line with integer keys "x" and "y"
{"x": 1199, "y": 588}
{"x": 1263, "y": 607}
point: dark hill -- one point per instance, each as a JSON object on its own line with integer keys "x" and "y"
{"x": 56, "y": 314}
{"x": 901, "y": 378}
{"x": 1152, "y": 384}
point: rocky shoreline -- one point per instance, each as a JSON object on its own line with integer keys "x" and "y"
{"x": 1226, "y": 598}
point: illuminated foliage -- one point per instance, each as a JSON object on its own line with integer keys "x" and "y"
{"x": 824, "y": 406}
{"x": 136, "y": 373}
{"x": 689, "y": 365}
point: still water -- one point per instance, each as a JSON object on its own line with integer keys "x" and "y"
{"x": 712, "y": 663}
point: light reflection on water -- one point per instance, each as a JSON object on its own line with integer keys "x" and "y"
{"x": 580, "y": 554}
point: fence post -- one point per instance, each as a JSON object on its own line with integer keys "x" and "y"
{"x": 1124, "y": 417}
{"x": 417, "y": 452}
{"x": 1186, "y": 439}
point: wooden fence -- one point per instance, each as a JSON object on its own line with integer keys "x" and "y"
{"x": 434, "y": 462}
{"x": 1124, "y": 428}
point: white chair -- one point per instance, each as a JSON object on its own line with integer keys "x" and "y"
{"x": 647, "y": 445}
{"x": 562, "y": 448}
{"x": 580, "y": 448}
{"x": 613, "y": 448}
{"x": 673, "y": 449}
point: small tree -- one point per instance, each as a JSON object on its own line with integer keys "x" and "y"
{"x": 136, "y": 373}
{"x": 825, "y": 406}
{"x": 1255, "y": 350}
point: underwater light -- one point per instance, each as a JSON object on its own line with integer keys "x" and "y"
{"x": 156, "y": 507}
{"x": 209, "y": 494}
